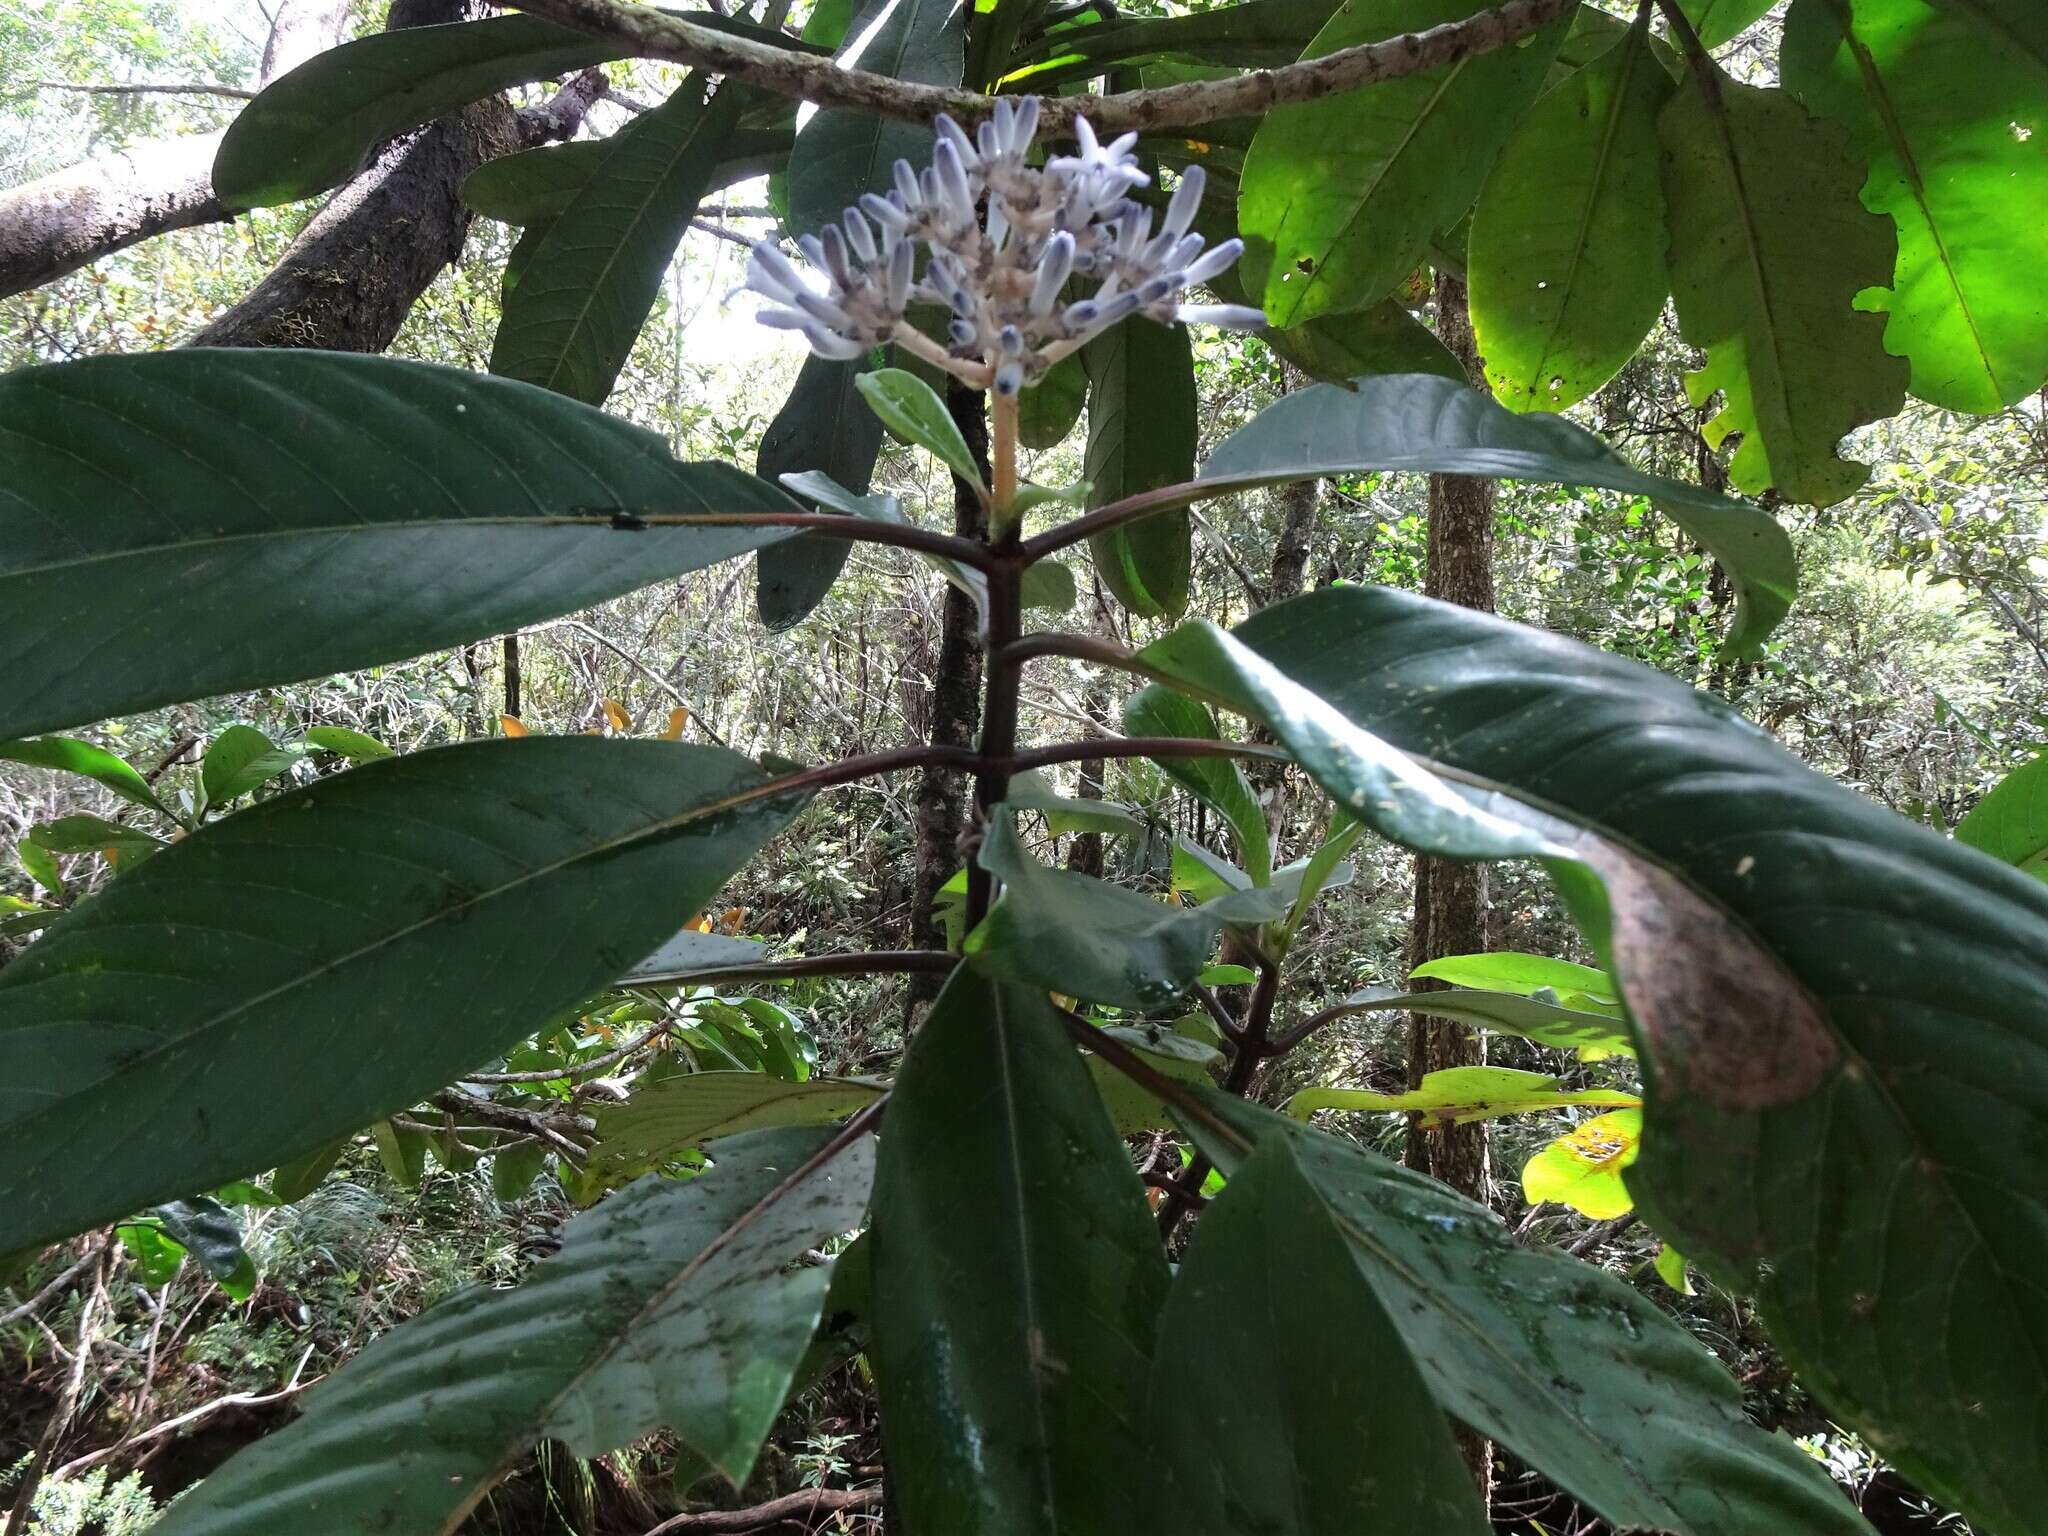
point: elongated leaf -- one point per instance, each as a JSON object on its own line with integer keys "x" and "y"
{"x": 1133, "y": 1108}
{"x": 1948, "y": 122}
{"x": 240, "y": 759}
{"x": 670, "y": 1304}
{"x": 298, "y": 1177}
{"x": 1257, "y": 35}
{"x": 1567, "y": 1366}
{"x": 309, "y": 130}
{"x": 677, "y": 1113}
{"x": 1566, "y": 263}
{"x": 1217, "y": 781}
{"x": 1386, "y": 338}
{"x": 825, "y": 426}
{"x": 1461, "y": 1096}
{"x": 585, "y": 288}
{"x": 208, "y": 1231}
{"x": 1332, "y": 1430}
{"x": 839, "y": 153}
{"x": 1017, "y": 1279}
{"x": 82, "y": 757}
{"x": 1142, "y": 432}
{"x": 537, "y": 185}
{"x": 913, "y": 411}
{"x": 390, "y": 913}
{"x": 1721, "y": 21}
{"x": 1086, "y": 938}
{"x": 1902, "y": 1233}
{"x": 190, "y": 523}
{"x": 2011, "y": 823}
{"x": 1769, "y": 249}
{"x": 1341, "y": 196}
{"x": 1424, "y": 425}
{"x": 1526, "y": 975}
{"x": 692, "y": 953}
{"x": 343, "y": 742}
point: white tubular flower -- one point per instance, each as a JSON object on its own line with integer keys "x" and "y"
{"x": 1003, "y": 242}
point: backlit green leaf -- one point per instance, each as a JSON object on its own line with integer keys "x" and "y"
{"x": 1142, "y": 432}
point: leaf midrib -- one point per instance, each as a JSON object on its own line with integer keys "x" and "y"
{"x": 1878, "y": 93}
{"x": 141, "y": 1060}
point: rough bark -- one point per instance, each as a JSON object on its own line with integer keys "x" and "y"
{"x": 1451, "y": 898}
{"x": 71, "y": 218}
{"x": 349, "y": 280}
{"x": 942, "y": 794}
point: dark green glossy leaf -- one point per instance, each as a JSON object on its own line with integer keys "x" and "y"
{"x": 1569, "y": 1367}
{"x": 1386, "y": 338}
{"x": 83, "y": 757}
{"x": 309, "y": 130}
{"x": 840, "y": 153}
{"x": 388, "y": 912}
{"x": 240, "y": 759}
{"x": 537, "y": 185}
{"x": 1900, "y": 1222}
{"x": 1142, "y": 432}
{"x": 825, "y": 426}
{"x": 1947, "y": 122}
{"x": 1087, "y": 938}
{"x": 2011, "y": 823}
{"x": 578, "y": 301}
{"x": 1419, "y": 424}
{"x": 1046, "y": 413}
{"x": 1769, "y": 249}
{"x": 202, "y": 521}
{"x": 402, "y": 1149}
{"x": 1017, "y": 1279}
{"x": 1216, "y": 781}
{"x": 673, "y": 1304}
{"x": 664, "y": 1118}
{"x": 1566, "y": 263}
{"x": 1341, "y": 196}
{"x": 1133, "y": 1107}
{"x": 208, "y": 1231}
{"x": 1331, "y": 1431}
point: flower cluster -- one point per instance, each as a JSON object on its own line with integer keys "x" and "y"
{"x": 1001, "y": 240}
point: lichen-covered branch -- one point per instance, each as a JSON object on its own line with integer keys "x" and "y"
{"x": 658, "y": 34}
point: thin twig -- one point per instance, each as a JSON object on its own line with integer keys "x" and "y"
{"x": 181, "y": 88}
{"x": 1141, "y": 746}
{"x": 34, "y": 1303}
{"x": 581, "y": 1069}
{"x": 871, "y": 962}
{"x": 291, "y": 1388}
{"x": 656, "y": 34}
{"x": 803, "y": 1506}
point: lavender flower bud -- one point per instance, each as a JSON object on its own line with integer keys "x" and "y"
{"x": 1053, "y": 269}
{"x": 1079, "y": 317}
{"x": 770, "y": 274}
{"x": 836, "y": 263}
{"x": 988, "y": 141}
{"x": 1152, "y": 290}
{"x": 1214, "y": 260}
{"x": 900, "y": 260}
{"x": 1187, "y": 197}
{"x": 950, "y": 177}
{"x": 1229, "y": 317}
{"x": 1023, "y": 123}
{"x": 831, "y": 346}
{"x": 859, "y": 234}
{"x": 907, "y": 187}
{"x": 962, "y": 333}
{"x": 884, "y": 213}
{"x": 952, "y": 133}
{"x": 1011, "y": 340}
{"x": 1009, "y": 378}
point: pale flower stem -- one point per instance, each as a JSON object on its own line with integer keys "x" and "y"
{"x": 1003, "y": 453}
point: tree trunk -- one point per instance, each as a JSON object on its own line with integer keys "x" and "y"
{"x": 71, "y": 218}
{"x": 1450, "y": 898}
{"x": 956, "y": 718}
{"x": 354, "y": 273}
